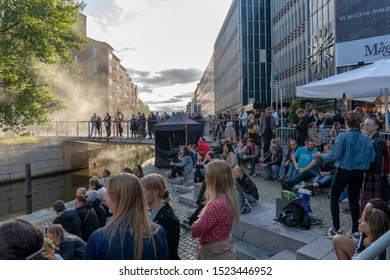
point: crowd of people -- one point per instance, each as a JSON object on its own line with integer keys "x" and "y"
{"x": 138, "y": 125}
{"x": 129, "y": 216}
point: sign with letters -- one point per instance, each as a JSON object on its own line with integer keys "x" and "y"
{"x": 362, "y": 31}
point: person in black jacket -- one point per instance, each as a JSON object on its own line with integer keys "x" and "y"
{"x": 302, "y": 127}
{"x": 69, "y": 246}
{"x": 245, "y": 186}
{"x": 157, "y": 198}
{"x": 88, "y": 217}
{"x": 101, "y": 213}
{"x": 271, "y": 163}
{"x": 69, "y": 219}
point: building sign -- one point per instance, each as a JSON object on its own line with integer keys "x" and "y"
{"x": 362, "y": 31}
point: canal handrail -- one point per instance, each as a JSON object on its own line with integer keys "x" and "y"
{"x": 373, "y": 251}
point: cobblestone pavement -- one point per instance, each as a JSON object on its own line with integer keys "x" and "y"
{"x": 268, "y": 192}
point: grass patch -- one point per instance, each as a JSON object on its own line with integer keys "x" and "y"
{"x": 19, "y": 140}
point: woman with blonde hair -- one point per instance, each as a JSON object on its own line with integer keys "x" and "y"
{"x": 157, "y": 198}
{"x": 216, "y": 219}
{"x": 129, "y": 235}
{"x": 69, "y": 246}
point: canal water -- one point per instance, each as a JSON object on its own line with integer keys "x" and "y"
{"x": 47, "y": 189}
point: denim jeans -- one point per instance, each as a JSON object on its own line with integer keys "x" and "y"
{"x": 272, "y": 171}
{"x": 324, "y": 181}
{"x": 291, "y": 172}
{"x": 304, "y": 176}
{"x": 249, "y": 197}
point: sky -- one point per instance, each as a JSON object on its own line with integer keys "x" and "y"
{"x": 165, "y": 44}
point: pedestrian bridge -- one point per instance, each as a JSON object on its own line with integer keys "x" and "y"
{"x": 82, "y": 131}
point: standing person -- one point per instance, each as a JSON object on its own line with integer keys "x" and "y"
{"x": 157, "y": 198}
{"x": 69, "y": 219}
{"x": 88, "y": 217}
{"x": 129, "y": 235}
{"x": 107, "y": 124}
{"x": 152, "y": 121}
{"x": 99, "y": 125}
{"x": 216, "y": 219}
{"x": 285, "y": 115}
{"x": 301, "y": 127}
{"x": 69, "y": 246}
{"x": 93, "y": 124}
{"x": 334, "y": 132}
{"x": 275, "y": 115}
{"x": 314, "y": 117}
{"x": 230, "y": 132}
{"x": 338, "y": 117}
{"x": 267, "y": 128}
{"x": 353, "y": 152}
{"x": 243, "y": 120}
{"x": 372, "y": 187}
{"x": 118, "y": 123}
{"x": 133, "y": 126}
{"x": 138, "y": 171}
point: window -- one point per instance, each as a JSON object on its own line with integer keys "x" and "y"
{"x": 94, "y": 53}
{"x": 110, "y": 68}
{"x": 94, "y": 67}
{"x": 110, "y": 56}
{"x": 110, "y": 82}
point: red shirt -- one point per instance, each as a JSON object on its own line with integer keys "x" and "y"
{"x": 204, "y": 147}
{"x": 216, "y": 223}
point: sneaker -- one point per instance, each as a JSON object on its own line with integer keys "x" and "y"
{"x": 331, "y": 232}
{"x": 285, "y": 186}
{"x": 181, "y": 180}
{"x": 354, "y": 235}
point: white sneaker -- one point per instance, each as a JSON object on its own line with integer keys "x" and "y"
{"x": 331, "y": 232}
{"x": 354, "y": 235}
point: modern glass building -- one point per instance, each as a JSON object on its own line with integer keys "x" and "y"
{"x": 242, "y": 56}
{"x": 204, "y": 93}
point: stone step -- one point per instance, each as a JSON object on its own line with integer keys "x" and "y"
{"x": 197, "y": 187}
{"x": 187, "y": 199}
{"x": 246, "y": 251}
{"x": 189, "y": 183}
{"x": 182, "y": 189}
{"x": 286, "y": 254}
{"x": 259, "y": 229}
{"x": 318, "y": 249}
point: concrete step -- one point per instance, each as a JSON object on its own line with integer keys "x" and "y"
{"x": 246, "y": 251}
{"x": 318, "y": 249}
{"x": 259, "y": 229}
{"x": 187, "y": 199}
{"x": 197, "y": 187}
{"x": 182, "y": 189}
{"x": 286, "y": 254}
{"x": 189, "y": 183}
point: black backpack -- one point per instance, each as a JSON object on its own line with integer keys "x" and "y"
{"x": 294, "y": 215}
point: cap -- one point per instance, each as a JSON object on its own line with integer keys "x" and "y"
{"x": 59, "y": 206}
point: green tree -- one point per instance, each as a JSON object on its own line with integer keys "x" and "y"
{"x": 35, "y": 36}
{"x": 292, "y": 116}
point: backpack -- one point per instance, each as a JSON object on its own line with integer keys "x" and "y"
{"x": 245, "y": 206}
{"x": 294, "y": 215}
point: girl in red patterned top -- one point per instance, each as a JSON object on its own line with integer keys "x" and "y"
{"x": 216, "y": 220}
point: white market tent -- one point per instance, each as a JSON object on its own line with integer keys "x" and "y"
{"x": 366, "y": 82}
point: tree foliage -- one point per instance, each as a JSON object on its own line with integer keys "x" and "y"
{"x": 35, "y": 35}
{"x": 294, "y": 106}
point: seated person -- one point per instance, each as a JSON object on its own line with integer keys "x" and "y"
{"x": 271, "y": 162}
{"x": 183, "y": 166}
{"x": 373, "y": 224}
{"x": 288, "y": 164}
{"x": 218, "y": 149}
{"x": 199, "y": 174}
{"x": 325, "y": 172}
{"x": 240, "y": 150}
{"x": 305, "y": 164}
{"x": 69, "y": 219}
{"x": 229, "y": 155}
{"x": 252, "y": 155}
{"x": 246, "y": 187}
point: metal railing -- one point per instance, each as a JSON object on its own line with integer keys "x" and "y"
{"x": 373, "y": 251}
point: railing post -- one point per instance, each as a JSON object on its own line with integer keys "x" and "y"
{"x": 27, "y": 171}
{"x": 77, "y": 129}
{"x": 67, "y": 128}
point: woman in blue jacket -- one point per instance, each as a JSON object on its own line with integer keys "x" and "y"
{"x": 129, "y": 235}
{"x": 353, "y": 153}
{"x": 184, "y": 166}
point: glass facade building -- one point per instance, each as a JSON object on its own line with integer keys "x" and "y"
{"x": 204, "y": 93}
{"x": 242, "y": 56}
